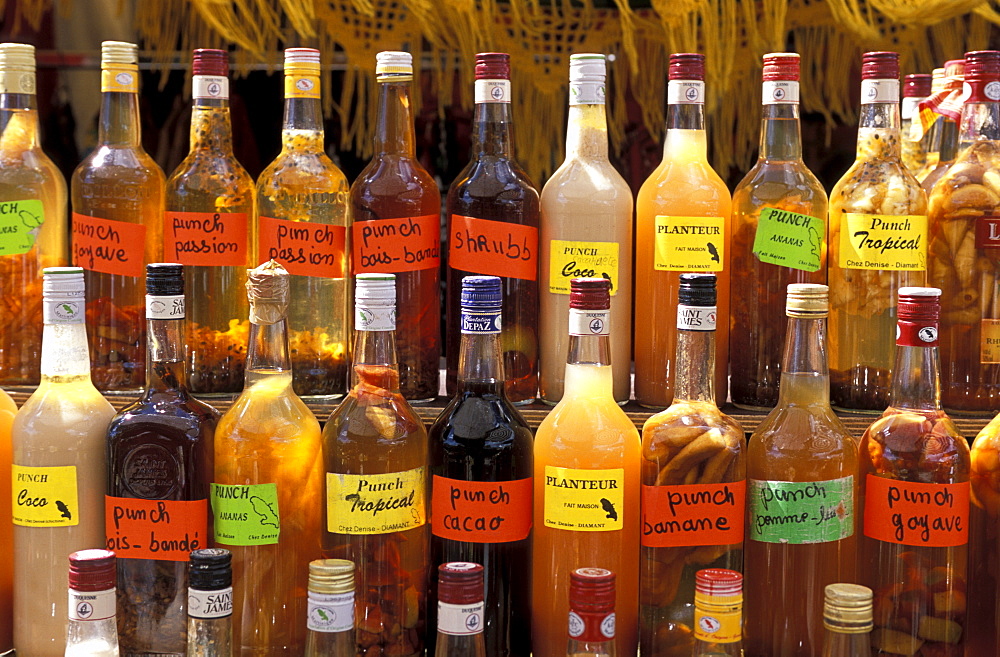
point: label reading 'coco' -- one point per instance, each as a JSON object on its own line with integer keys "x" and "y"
{"x": 789, "y": 239}
{"x": 584, "y": 500}
{"x": 246, "y": 515}
{"x": 989, "y": 341}
{"x": 167, "y": 530}
{"x": 205, "y": 239}
{"x": 45, "y": 496}
{"x": 493, "y": 248}
{"x": 569, "y": 260}
{"x": 689, "y": 243}
{"x": 880, "y": 241}
{"x": 108, "y": 246}
{"x": 393, "y": 246}
{"x": 304, "y": 248}
{"x": 210, "y": 604}
{"x": 695, "y": 514}
{"x": 20, "y": 222}
{"x": 797, "y": 512}
{"x": 375, "y": 503}
{"x": 481, "y": 511}
{"x": 911, "y": 513}
{"x": 330, "y": 612}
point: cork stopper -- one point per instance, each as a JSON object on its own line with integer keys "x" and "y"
{"x": 592, "y": 590}
{"x": 492, "y": 66}
{"x": 267, "y": 290}
{"x": 880, "y": 65}
{"x": 848, "y": 608}
{"x": 781, "y": 66}
{"x": 331, "y": 576}
{"x": 210, "y": 61}
{"x": 460, "y": 583}
{"x": 808, "y": 300}
{"x": 118, "y": 53}
{"x": 917, "y": 85}
{"x": 392, "y": 63}
{"x": 17, "y": 57}
{"x": 587, "y": 67}
{"x": 92, "y": 570}
{"x": 686, "y": 66}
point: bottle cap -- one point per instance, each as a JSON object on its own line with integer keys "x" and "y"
{"x": 492, "y": 66}
{"x": 590, "y": 294}
{"x": 917, "y": 85}
{"x": 164, "y": 279}
{"x": 718, "y": 582}
{"x": 375, "y": 290}
{"x": 331, "y": 576}
{"x": 954, "y": 67}
{"x": 92, "y": 570}
{"x": 781, "y": 66}
{"x": 847, "y": 608}
{"x": 118, "y": 52}
{"x": 460, "y": 583}
{"x": 391, "y": 63}
{"x": 210, "y": 61}
{"x": 696, "y": 290}
{"x": 587, "y": 67}
{"x": 982, "y": 65}
{"x": 301, "y": 56}
{"x": 17, "y": 57}
{"x": 937, "y": 80}
{"x": 592, "y": 590}
{"x": 686, "y": 66}
{"x": 267, "y": 290}
{"x": 62, "y": 281}
{"x": 481, "y": 294}
{"x": 919, "y": 304}
{"x": 808, "y": 300}
{"x": 210, "y": 569}
{"x": 880, "y": 65}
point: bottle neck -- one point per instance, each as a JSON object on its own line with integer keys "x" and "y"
{"x": 805, "y": 356}
{"x": 948, "y": 140}
{"x": 450, "y": 645}
{"x": 26, "y": 108}
{"x": 375, "y": 354}
{"x": 686, "y": 133}
{"x": 64, "y": 352}
{"x": 394, "y": 123}
{"x": 268, "y": 349}
{"x": 884, "y": 118}
{"x": 916, "y": 379}
{"x": 780, "y": 133}
{"x": 302, "y": 115}
{"x": 842, "y": 644}
{"x": 695, "y": 378}
{"x": 480, "y": 363}
{"x": 980, "y": 122}
{"x": 119, "y": 120}
{"x": 493, "y": 130}
{"x": 587, "y": 133}
{"x": 211, "y": 127}
{"x": 588, "y": 367}
{"x": 165, "y": 356}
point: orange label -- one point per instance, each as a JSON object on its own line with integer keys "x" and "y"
{"x": 391, "y": 246}
{"x": 493, "y": 248}
{"x": 305, "y": 249}
{"x": 167, "y": 530}
{"x": 696, "y": 514}
{"x": 108, "y": 246}
{"x": 481, "y": 511}
{"x": 909, "y": 513}
{"x": 207, "y": 239}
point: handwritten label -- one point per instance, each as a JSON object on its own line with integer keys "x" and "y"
{"x": 987, "y": 232}
{"x": 989, "y": 341}
{"x": 392, "y": 246}
{"x": 696, "y": 514}
{"x": 569, "y": 260}
{"x": 584, "y": 500}
{"x": 789, "y": 239}
{"x": 375, "y": 503}
{"x": 911, "y": 513}
{"x": 690, "y": 244}
{"x": 205, "y": 239}
{"x": 167, "y": 530}
{"x": 246, "y": 515}
{"x": 45, "y": 496}
{"x": 20, "y": 222}
{"x": 481, "y": 511}
{"x": 107, "y": 246}
{"x": 879, "y": 241}
{"x": 799, "y": 512}
{"x": 304, "y": 248}
{"x": 493, "y": 248}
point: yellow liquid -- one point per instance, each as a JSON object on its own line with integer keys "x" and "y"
{"x": 7, "y": 410}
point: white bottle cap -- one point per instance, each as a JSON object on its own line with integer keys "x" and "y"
{"x": 301, "y": 56}
{"x": 393, "y": 62}
{"x": 17, "y": 57}
{"x": 587, "y": 67}
{"x": 375, "y": 302}
{"x": 918, "y": 292}
{"x": 118, "y": 52}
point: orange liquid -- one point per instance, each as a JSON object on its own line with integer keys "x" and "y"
{"x": 984, "y": 543}
{"x": 7, "y": 411}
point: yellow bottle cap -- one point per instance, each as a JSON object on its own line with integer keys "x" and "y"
{"x": 809, "y": 300}
{"x": 17, "y": 57}
{"x": 848, "y": 608}
{"x": 331, "y": 576}
{"x": 117, "y": 53}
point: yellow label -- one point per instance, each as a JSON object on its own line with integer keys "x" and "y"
{"x": 302, "y": 86}
{"x": 882, "y": 241}
{"x": 123, "y": 78}
{"x": 690, "y": 243}
{"x": 584, "y": 500}
{"x": 45, "y": 496}
{"x": 989, "y": 341}
{"x": 721, "y": 624}
{"x": 375, "y": 503}
{"x": 569, "y": 260}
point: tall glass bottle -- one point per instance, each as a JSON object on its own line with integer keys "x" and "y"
{"x": 492, "y": 214}
{"x": 396, "y": 208}
{"x": 586, "y": 230}
{"x": 718, "y": 613}
{"x": 847, "y": 617}
{"x": 915, "y": 495}
{"x": 682, "y": 224}
{"x": 376, "y": 455}
{"x": 209, "y": 201}
{"x": 159, "y": 455}
{"x": 878, "y": 243}
{"x": 587, "y": 478}
{"x": 481, "y": 468}
{"x": 266, "y": 499}
{"x": 946, "y": 104}
{"x": 8, "y": 409}
{"x": 779, "y": 237}
{"x": 802, "y": 468}
{"x": 210, "y": 603}
{"x": 913, "y": 145}
{"x": 461, "y": 611}
{"x": 592, "y": 618}
{"x": 302, "y": 221}
{"x": 928, "y": 124}
{"x": 330, "y": 618}
{"x": 35, "y": 232}
{"x": 91, "y": 631}
{"x": 984, "y": 542}
{"x": 59, "y": 472}
{"x": 692, "y": 452}
{"x": 117, "y": 197}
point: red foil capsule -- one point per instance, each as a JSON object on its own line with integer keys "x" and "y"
{"x": 590, "y": 294}
{"x": 917, "y": 85}
{"x": 460, "y": 583}
{"x": 880, "y": 65}
{"x": 92, "y": 570}
{"x": 492, "y": 66}
{"x": 592, "y": 605}
{"x": 686, "y": 66}
{"x": 917, "y": 319}
{"x": 781, "y": 66}
{"x": 209, "y": 61}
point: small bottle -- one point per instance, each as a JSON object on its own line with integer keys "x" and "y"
{"x": 8, "y": 409}
{"x": 330, "y": 619}
{"x": 916, "y": 87}
{"x": 847, "y": 617}
{"x": 461, "y": 611}
{"x": 592, "y": 618}
{"x": 210, "y": 603}
{"x": 718, "y": 613}
{"x": 92, "y": 630}
{"x": 946, "y": 104}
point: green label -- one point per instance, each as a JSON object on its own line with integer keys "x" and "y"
{"x": 789, "y": 239}
{"x": 19, "y": 224}
{"x": 800, "y": 512}
{"x": 246, "y": 515}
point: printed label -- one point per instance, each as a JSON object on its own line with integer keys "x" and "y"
{"x": 587, "y": 93}
{"x": 167, "y": 530}
{"x": 301, "y": 85}
{"x": 460, "y": 620}
{"x": 493, "y": 248}
{"x": 584, "y": 500}
{"x": 393, "y": 246}
{"x": 981, "y": 91}
{"x": 780, "y": 92}
{"x": 375, "y": 503}
{"x": 304, "y": 248}
{"x": 206, "y": 239}
{"x": 45, "y": 496}
{"x": 989, "y": 341}
{"x": 165, "y": 307}
{"x": 916, "y": 334}
{"x": 374, "y": 319}
{"x": 880, "y": 241}
{"x": 719, "y": 626}
{"x": 64, "y": 309}
{"x": 879, "y": 91}
{"x": 481, "y": 511}
{"x": 685, "y": 92}
{"x": 589, "y": 322}
{"x": 789, "y": 239}
{"x": 696, "y": 514}
{"x": 122, "y": 78}
{"x": 569, "y": 260}
{"x": 796, "y": 512}
{"x": 591, "y": 627}
{"x": 210, "y": 604}
{"x": 210, "y": 86}
{"x": 481, "y": 323}
{"x": 690, "y": 243}
{"x": 246, "y": 515}
{"x": 910, "y": 513}
{"x": 492, "y": 91}
{"x": 987, "y": 232}
{"x": 696, "y": 318}
{"x": 909, "y": 109}
{"x": 92, "y": 605}
{"x": 17, "y": 82}
{"x": 20, "y": 222}
{"x": 330, "y": 612}
{"x": 107, "y": 246}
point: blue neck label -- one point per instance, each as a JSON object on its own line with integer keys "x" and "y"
{"x": 481, "y": 322}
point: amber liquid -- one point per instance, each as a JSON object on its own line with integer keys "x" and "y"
{"x": 984, "y": 543}
{"x": 7, "y": 410}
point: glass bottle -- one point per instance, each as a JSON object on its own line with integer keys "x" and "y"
{"x": 35, "y": 232}
{"x": 8, "y": 409}
{"x": 268, "y": 477}
{"x": 913, "y": 145}
{"x": 694, "y": 484}
{"x": 682, "y": 224}
{"x": 59, "y": 472}
{"x": 847, "y": 617}
{"x": 802, "y": 467}
{"x": 302, "y": 222}
{"x": 210, "y": 603}
{"x": 946, "y": 105}
{"x": 461, "y": 611}
{"x": 159, "y": 457}
{"x": 396, "y": 208}
{"x": 779, "y": 237}
{"x": 915, "y": 495}
{"x": 587, "y": 478}
{"x": 492, "y": 212}
{"x": 984, "y": 542}
{"x": 209, "y": 201}
{"x": 481, "y": 468}
{"x": 117, "y": 198}
{"x": 878, "y": 243}
{"x": 592, "y": 617}
{"x": 376, "y": 453}
{"x": 330, "y": 619}
{"x": 91, "y": 630}
{"x": 718, "y": 613}
{"x": 586, "y": 230}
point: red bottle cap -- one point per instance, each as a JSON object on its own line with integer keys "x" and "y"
{"x": 492, "y": 66}
{"x": 917, "y": 319}
{"x": 686, "y": 66}
{"x": 590, "y": 294}
{"x": 209, "y": 61}
{"x": 592, "y": 590}
{"x": 982, "y": 65}
{"x": 781, "y": 66}
{"x": 460, "y": 583}
{"x": 92, "y": 570}
{"x": 880, "y": 65}
{"x": 954, "y": 64}
{"x": 718, "y": 581}
{"x": 917, "y": 85}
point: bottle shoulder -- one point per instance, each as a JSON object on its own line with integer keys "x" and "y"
{"x": 776, "y": 184}
{"x": 586, "y": 181}
{"x": 269, "y": 411}
{"x": 306, "y": 169}
{"x": 114, "y": 163}
{"x": 66, "y": 409}
{"x": 585, "y": 424}
{"x": 798, "y": 439}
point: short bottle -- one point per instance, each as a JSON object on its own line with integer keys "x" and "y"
{"x": 916, "y": 87}
{"x": 592, "y": 618}
{"x": 847, "y": 617}
{"x": 92, "y": 630}
{"x": 330, "y": 617}
{"x": 460, "y": 610}
{"x": 718, "y": 613}
{"x": 210, "y": 603}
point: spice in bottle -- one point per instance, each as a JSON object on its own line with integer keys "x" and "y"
{"x": 592, "y": 618}
{"x": 460, "y": 611}
{"x": 330, "y": 618}
{"x": 847, "y": 617}
{"x": 718, "y": 613}
{"x": 210, "y": 603}
{"x": 91, "y": 631}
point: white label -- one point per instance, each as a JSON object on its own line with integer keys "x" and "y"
{"x": 375, "y": 319}
{"x": 17, "y": 82}
{"x": 210, "y": 604}
{"x": 330, "y": 613}
{"x": 589, "y": 322}
{"x": 992, "y": 90}
{"x": 586, "y": 93}
{"x": 685, "y": 92}
{"x": 460, "y": 620}
{"x": 696, "y": 318}
{"x": 909, "y": 108}
{"x": 64, "y": 310}
{"x": 608, "y": 626}
{"x": 780, "y": 92}
{"x": 576, "y": 624}
{"x": 91, "y": 605}
{"x": 879, "y": 91}
{"x": 210, "y": 86}
{"x": 165, "y": 307}
{"x": 492, "y": 91}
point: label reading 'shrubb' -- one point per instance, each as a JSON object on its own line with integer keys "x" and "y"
{"x": 493, "y": 248}
{"x": 879, "y": 241}
{"x": 210, "y": 604}
{"x": 584, "y": 500}
{"x": 689, "y": 244}
{"x": 789, "y": 239}
{"x": 797, "y": 512}
{"x": 375, "y": 503}
{"x": 20, "y": 222}
{"x": 246, "y": 515}
{"x": 45, "y": 496}
{"x": 912, "y": 513}
{"x": 569, "y": 260}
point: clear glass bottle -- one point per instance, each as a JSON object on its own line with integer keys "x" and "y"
{"x": 91, "y": 630}
{"x": 330, "y": 619}
{"x": 913, "y": 151}
{"x": 847, "y": 617}
{"x": 461, "y": 611}
{"x": 36, "y": 234}
{"x": 718, "y": 613}
{"x": 209, "y": 205}
{"x": 8, "y": 409}
{"x": 592, "y": 618}
{"x": 984, "y": 542}
{"x": 946, "y": 105}
{"x": 210, "y": 603}
{"x": 927, "y": 122}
